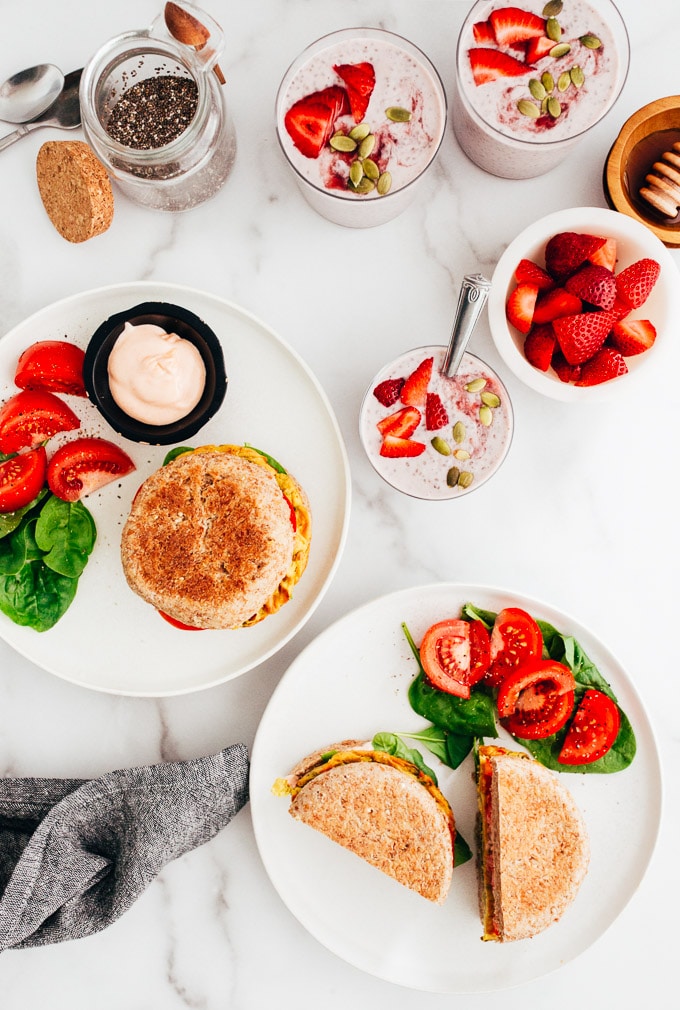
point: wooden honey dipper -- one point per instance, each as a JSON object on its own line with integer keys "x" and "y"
{"x": 663, "y": 191}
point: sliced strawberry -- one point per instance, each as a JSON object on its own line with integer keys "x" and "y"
{"x": 566, "y": 251}
{"x": 483, "y": 33}
{"x": 620, "y": 309}
{"x": 388, "y": 391}
{"x": 593, "y": 284}
{"x": 511, "y": 25}
{"x": 554, "y": 304}
{"x": 490, "y": 64}
{"x": 520, "y": 307}
{"x": 605, "y": 364}
{"x": 632, "y": 337}
{"x": 606, "y": 255}
{"x": 395, "y": 447}
{"x": 402, "y": 423}
{"x": 435, "y": 412}
{"x": 580, "y": 336}
{"x": 539, "y": 346}
{"x": 565, "y": 371}
{"x": 359, "y": 80}
{"x": 538, "y": 47}
{"x": 530, "y": 272}
{"x": 634, "y": 284}
{"x": 310, "y": 120}
{"x": 414, "y": 390}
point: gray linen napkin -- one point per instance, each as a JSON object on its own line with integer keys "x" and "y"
{"x": 75, "y": 854}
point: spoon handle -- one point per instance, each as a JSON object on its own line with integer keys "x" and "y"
{"x": 471, "y": 299}
{"x": 11, "y": 138}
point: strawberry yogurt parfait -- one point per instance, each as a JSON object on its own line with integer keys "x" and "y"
{"x": 360, "y": 117}
{"x": 532, "y": 80}
{"x": 432, "y": 436}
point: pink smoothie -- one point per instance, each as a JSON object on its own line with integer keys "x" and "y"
{"x": 401, "y": 149}
{"x": 505, "y": 125}
{"x": 477, "y": 449}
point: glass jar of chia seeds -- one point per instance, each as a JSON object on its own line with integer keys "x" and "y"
{"x": 153, "y": 111}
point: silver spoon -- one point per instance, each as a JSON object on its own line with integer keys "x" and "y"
{"x": 64, "y": 112}
{"x": 471, "y": 299}
{"x": 29, "y": 93}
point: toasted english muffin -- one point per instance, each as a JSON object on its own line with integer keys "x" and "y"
{"x": 213, "y": 539}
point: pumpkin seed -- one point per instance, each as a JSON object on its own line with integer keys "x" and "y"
{"x": 577, "y": 77}
{"x": 452, "y": 476}
{"x": 341, "y": 142}
{"x": 554, "y": 108}
{"x": 359, "y": 131}
{"x": 547, "y": 82}
{"x": 441, "y": 445}
{"x": 490, "y": 399}
{"x": 485, "y": 415}
{"x": 561, "y": 49}
{"x": 474, "y": 385}
{"x": 366, "y": 146}
{"x": 384, "y": 184}
{"x": 364, "y": 186}
{"x": 458, "y": 431}
{"x": 590, "y": 41}
{"x": 356, "y": 172}
{"x": 397, "y": 114}
{"x": 528, "y": 108}
{"x": 537, "y": 89}
{"x": 465, "y": 479}
{"x": 553, "y": 29}
{"x": 371, "y": 170}
{"x": 552, "y": 9}
{"x": 564, "y": 80}
{"x": 461, "y": 454}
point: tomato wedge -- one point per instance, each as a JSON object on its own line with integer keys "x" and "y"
{"x": 21, "y": 478}
{"x": 52, "y": 365}
{"x": 536, "y": 699}
{"x": 178, "y": 624}
{"x": 593, "y": 729}
{"x": 455, "y": 655}
{"x": 31, "y": 417}
{"x": 82, "y": 466}
{"x": 515, "y": 639}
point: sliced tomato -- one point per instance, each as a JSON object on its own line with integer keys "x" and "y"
{"x": 455, "y": 655}
{"x": 293, "y": 514}
{"x": 21, "y": 478}
{"x": 31, "y": 417}
{"x": 536, "y": 699}
{"x": 82, "y": 466}
{"x": 593, "y": 729}
{"x": 178, "y": 624}
{"x": 515, "y": 639}
{"x": 53, "y": 365}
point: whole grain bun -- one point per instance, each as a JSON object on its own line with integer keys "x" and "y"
{"x": 386, "y": 817}
{"x": 75, "y": 189}
{"x": 209, "y": 539}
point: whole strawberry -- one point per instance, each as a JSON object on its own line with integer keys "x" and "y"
{"x": 634, "y": 284}
{"x": 580, "y": 336}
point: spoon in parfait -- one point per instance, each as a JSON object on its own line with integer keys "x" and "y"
{"x": 471, "y": 300}
{"x": 29, "y": 93}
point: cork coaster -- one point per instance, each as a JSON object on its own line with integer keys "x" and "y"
{"x": 75, "y": 189}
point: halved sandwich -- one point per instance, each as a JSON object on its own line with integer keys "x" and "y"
{"x": 217, "y": 538}
{"x": 382, "y": 808}
{"x": 533, "y": 849}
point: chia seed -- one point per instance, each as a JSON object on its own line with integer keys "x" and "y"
{"x": 153, "y": 112}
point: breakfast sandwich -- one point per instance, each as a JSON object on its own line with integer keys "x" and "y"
{"x": 380, "y": 807}
{"x": 533, "y": 847}
{"x": 217, "y": 538}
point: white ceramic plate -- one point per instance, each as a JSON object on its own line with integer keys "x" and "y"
{"x": 109, "y": 639}
{"x": 352, "y": 682}
{"x": 634, "y": 242}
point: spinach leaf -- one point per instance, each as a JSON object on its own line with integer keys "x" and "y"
{"x": 565, "y": 649}
{"x": 10, "y": 520}
{"x": 66, "y": 533}
{"x": 270, "y": 459}
{"x": 179, "y": 450}
{"x": 392, "y": 744}
{"x": 487, "y": 617}
{"x": 473, "y": 716}
{"x": 616, "y": 759}
{"x": 450, "y": 748}
{"x": 461, "y": 851}
{"x": 19, "y": 548}
{"x": 36, "y": 596}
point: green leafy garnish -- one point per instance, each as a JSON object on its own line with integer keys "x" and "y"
{"x": 270, "y": 459}
{"x": 179, "y": 450}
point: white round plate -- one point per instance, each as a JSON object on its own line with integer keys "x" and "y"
{"x": 352, "y": 682}
{"x": 109, "y": 639}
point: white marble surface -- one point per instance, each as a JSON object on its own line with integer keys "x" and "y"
{"x": 584, "y": 513}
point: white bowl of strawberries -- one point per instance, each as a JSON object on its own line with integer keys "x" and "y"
{"x": 581, "y": 301}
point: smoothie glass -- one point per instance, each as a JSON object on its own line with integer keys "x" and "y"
{"x": 403, "y": 147}
{"x": 518, "y": 127}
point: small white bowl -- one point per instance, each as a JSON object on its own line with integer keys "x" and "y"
{"x": 634, "y": 241}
